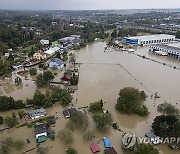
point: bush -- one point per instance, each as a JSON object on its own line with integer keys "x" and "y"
{"x": 44, "y": 79}
{"x": 18, "y": 144}
{"x": 21, "y": 114}
{"x": 167, "y": 108}
{"x": 102, "y": 120}
{"x": 115, "y": 125}
{"x": 11, "y": 121}
{"x": 71, "y": 151}
{"x": 96, "y": 106}
{"x": 42, "y": 150}
{"x": 65, "y": 137}
{"x": 1, "y": 120}
{"x": 33, "y": 71}
{"x": 88, "y": 136}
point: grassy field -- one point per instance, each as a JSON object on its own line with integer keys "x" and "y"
{"x": 29, "y": 48}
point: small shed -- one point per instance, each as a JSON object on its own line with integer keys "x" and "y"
{"x": 94, "y": 148}
{"x": 110, "y": 151}
{"x": 107, "y": 142}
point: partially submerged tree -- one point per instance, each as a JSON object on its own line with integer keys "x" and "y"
{"x": 88, "y": 136}
{"x": 71, "y": 151}
{"x": 166, "y": 126}
{"x": 1, "y": 120}
{"x": 130, "y": 101}
{"x": 96, "y": 106}
{"x": 65, "y": 137}
{"x": 168, "y": 108}
{"x": 33, "y": 71}
{"x": 44, "y": 79}
{"x": 102, "y": 120}
{"x": 146, "y": 149}
{"x": 78, "y": 121}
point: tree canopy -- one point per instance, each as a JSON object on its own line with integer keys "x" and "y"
{"x": 102, "y": 120}
{"x": 96, "y": 106}
{"x": 44, "y": 79}
{"x": 146, "y": 149}
{"x": 166, "y": 126}
{"x": 130, "y": 101}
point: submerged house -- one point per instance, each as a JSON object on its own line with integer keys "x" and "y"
{"x": 56, "y": 63}
{"x": 110, "y": 151}
{"x": 94, "y": 148}
{"x": 66, "y": 79}
{"x": 41, "y": 132}
{"x": 17, "y": 66}
{"x": 69, "y": 112}
{"x": 35, "y": 114}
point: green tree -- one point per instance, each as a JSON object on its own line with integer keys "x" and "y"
{"x": 130, "y": 101}
{"x": 1, "y": 120}
{"x": 78, "y": 121}
{"x": 146, "y": 149}
{"x": 114, "y": 34}
{"x": 38, "y": 98}
{"x": 166, "y": 126}
{"x": 74, "y": 80}
{"x": 21, "y": 114}
{"x": 168, "y": 108}
{"x": 88, "y": 136}
{"x": 33, "y": 71}
{"x": 96, "y": 106}
{"x": 5, "y": 67}
{"x": 102, "y": 120}
{"x": 11, "y": 121}
{"x": 18, "y": 81}
{"x": 65, "y": 137}
{"x": 71, "y": 151}
{"x": 62, "y": 96}
{"x": 44, "y": 79}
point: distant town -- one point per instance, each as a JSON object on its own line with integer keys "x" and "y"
{"x": 75, "y": 82}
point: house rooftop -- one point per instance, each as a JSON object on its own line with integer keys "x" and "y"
{"x": 58, "y": 61}
{"x": 39, "y": 129}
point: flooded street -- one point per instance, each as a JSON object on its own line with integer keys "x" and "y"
{"x": 102, "y": 75}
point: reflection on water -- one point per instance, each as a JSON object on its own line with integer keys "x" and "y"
{"x": 101, "y": 77}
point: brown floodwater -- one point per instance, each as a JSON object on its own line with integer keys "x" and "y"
{"x": 102, "y": 75}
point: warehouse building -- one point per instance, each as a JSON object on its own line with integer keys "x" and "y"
{"x": 170, "y": 50}
{"x": 149, "y": 39}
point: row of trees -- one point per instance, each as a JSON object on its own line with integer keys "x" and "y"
{"x": 122, "y": 32}
{"x": 8, "y": 103}
{"x": 44, "y": 78}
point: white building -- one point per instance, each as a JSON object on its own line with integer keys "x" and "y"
{"x": 44, "y": 42}
{"x": 52, "y": 51}
{"x": 150, "y": 39}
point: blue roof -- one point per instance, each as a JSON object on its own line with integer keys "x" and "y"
{"x": 107, "y": 142}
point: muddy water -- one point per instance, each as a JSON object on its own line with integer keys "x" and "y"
{"x": 102, "y": 75}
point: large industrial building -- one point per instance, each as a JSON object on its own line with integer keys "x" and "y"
{"x": 149, "y": 39}
{"x": 169, "y": 50}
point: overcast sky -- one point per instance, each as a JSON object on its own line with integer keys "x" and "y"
{"x": 87, "y": 4}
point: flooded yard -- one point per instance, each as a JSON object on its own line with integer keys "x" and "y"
{"x": 102, "y": 75}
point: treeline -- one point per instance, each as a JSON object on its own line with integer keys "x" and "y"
{"x": 123, "y": 32}
{"x": 39, "y": 100}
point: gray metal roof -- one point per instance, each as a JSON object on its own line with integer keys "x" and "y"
{"x": 167, "y": 47}
{"x": 57, "y": 60}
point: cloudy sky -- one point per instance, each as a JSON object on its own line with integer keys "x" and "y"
{"x": 87, "y": 4}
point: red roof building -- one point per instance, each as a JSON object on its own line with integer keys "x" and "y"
{"x": 94, "y": 148}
